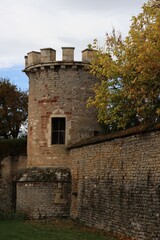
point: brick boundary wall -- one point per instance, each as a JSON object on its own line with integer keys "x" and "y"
{"x": 116, "y": 183}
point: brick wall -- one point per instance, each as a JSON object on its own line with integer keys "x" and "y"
{"x": 116, "y": 185}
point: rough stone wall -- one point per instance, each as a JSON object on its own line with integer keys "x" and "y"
{"x": 44, "y": 193}
{"x": 116, "y": 185}
{"x": 11, "y": 168}
{"x": 58, "y": 91}
{"x": 41, "y": 200}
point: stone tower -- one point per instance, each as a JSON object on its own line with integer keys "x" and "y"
{"x": 58, "y": 117}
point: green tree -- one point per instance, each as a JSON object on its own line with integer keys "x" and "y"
{"x": 13, "y": 109}
{"x": 128, "y": 92}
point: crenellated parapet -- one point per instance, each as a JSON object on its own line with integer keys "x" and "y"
{"x": 47, "y": 57}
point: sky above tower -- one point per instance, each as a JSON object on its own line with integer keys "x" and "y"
{"x": 29, "y": 25}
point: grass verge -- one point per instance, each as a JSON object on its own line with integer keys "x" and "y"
{"x": 57, "y": 230}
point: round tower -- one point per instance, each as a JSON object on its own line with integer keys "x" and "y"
{"x": 57, "y": 112}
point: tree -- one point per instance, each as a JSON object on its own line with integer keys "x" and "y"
{"x": 128, "y": 92}
{"x": 13, "y": 109}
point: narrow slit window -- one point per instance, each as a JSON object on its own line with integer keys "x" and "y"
{"x": 58, "y": 130}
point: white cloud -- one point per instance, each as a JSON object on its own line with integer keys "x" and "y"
{"x": 28, "y": 25}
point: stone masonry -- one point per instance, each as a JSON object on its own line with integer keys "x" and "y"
{"x": 11, "y": 169}
{"x": 44, "y": 193}
{"x": 116, "y": 184}
{"x": 57, "y": 117}
{"x": 58, "y": 89}
{"x": 111, "y": 182}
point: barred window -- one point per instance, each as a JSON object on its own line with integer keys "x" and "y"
{"x": 58, "y": 130}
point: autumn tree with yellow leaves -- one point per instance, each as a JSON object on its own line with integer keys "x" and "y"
{"x": 128, "y": 91}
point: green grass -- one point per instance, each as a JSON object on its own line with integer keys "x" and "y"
{"x": 21, "y": 230}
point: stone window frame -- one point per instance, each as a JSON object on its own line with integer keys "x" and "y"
{"x": 49, "y": 134}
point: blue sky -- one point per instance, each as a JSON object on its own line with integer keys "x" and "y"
{"x": 16, "y": 76}
{"x": 29, "y": 25}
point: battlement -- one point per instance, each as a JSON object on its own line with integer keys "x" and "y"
{"x": 68, "y": 54}
{"x": 48, "y": 56}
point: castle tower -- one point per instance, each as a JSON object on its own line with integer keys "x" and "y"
{"x": 58, "y": 116}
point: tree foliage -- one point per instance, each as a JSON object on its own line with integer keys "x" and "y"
{"x": 128, "y": 91}
{"x": 13, "y": 109}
